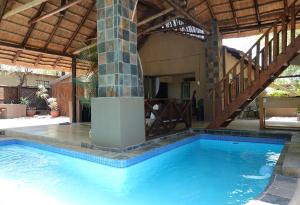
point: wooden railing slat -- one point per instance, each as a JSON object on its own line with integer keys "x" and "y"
{"x": 275, "y": 42}
{"x": 266, "y": 51}
{"x": 242, "y": 79}
{"x": 257, "y": 59}
{"x": 170, "y": 112}
{"x": 250, "y": 68}
{"x": 293, "y": 24}
{"x": 284, "y": 34}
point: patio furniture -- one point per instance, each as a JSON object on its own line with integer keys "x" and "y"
{"x": 250, "y": 111}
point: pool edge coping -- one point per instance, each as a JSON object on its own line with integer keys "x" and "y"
{"x": 130, "y": 161}
{"x": 123, "y": 163}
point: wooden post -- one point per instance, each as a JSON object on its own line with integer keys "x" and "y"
{"x": 224, "y": 61}
{"x": 270, "y": 56}
{"x": 226, "y": 92}
{"x": 293, "y": 25}
{"x": 284, "y": 34}
{"x": 257, "y": 66}
{"x": 242, "y": 75}
{"x": 249, "y": 68}
{"x": 275, "y": 43}
{"x": 234, "y": 83}
{"x": 74, "y": 104}
{"x": 262, "y": 113}
{"x": 266, "y": 52}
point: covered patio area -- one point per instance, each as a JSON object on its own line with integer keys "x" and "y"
{"x": 149, "y": 97}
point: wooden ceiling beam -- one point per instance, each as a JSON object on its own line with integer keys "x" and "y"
{"x": 268, "y": 14}
{"x": 92, "y": 36}
{"x": 285, "y": 5}
{"x": 78, "y": 51}
{"x": 55, "y": 11}
{"x": 149, "y": 5}
{"x": 31, "y": 27}
{"x": 31, "y": 49}
{"x": 79, "y": 26}
{"x": 60, "y": 18}
{"x": 151, "y": 18}
{"x": 247, "y": 27}
{"x": 246, "y": 8}
{"x": 38, "y": 60}
{"x": 3, "y": 6}
{"x": 233, "y": 12}
{"x": 16, "y": 56}
{"x": 196, "y": 5}
{"x": 210, "y": 10}
{"x": 187, "y": 15}
{"x": 156, "y": 26}
{"x": 23, "y": 7}
{"x": 62, "y": 3}
{"x": 257, "y": 12}
{"x": 57, "y": 62}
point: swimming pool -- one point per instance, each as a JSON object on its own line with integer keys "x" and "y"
{"x": 202, "y": 172}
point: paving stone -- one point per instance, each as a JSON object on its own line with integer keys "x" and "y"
{"x": 273, "y": 199}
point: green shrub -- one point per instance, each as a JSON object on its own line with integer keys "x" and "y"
{"x": 279, "y": 93}
{"x": 24, "y": 101}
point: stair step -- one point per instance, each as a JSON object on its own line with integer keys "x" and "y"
{"x": 239, "y": 95}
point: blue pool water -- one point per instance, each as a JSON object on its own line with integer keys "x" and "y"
{"x": 208, "y": 172}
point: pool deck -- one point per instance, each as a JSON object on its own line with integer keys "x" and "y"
{"x": 281, "y": 191}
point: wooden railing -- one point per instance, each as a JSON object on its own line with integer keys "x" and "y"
{"x": 243, "y": 76}
{"x": 164, "y": 116}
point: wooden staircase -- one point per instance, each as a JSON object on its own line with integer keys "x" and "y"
{"x": 257, "y": 69}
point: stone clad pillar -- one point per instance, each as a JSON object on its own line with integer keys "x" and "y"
{"x": 118, "y": 112}
{"x": 214, "y": 66}
{"x": 117, "y": 48}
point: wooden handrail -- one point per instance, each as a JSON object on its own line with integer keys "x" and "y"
{"x": 279, "y": 19}
{"x": 242, "y": 83}
{"x": 166, "y": 116}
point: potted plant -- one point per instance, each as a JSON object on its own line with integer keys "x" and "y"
{"x": 30, "y": 111}
{"x": 52, "y": 103}
{"x": 298, "y": 114}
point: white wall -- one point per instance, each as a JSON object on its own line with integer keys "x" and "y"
{"x": 10, "y": 79}
{"x": 172, "y": 54}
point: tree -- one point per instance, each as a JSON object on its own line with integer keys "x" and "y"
{"x": 22, "y": 74}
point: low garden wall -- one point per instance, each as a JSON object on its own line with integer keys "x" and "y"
{"x": 9, "y": 95}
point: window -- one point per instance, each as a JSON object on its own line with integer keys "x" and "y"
{"x": 45, "y": 83}
{"x": 185, "y": 90}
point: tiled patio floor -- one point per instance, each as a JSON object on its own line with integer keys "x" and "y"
{"x": 31, "y": 121}
{"x": 71, "y": 134}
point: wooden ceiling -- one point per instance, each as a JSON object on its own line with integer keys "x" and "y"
{"x": 49, "y": 32}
